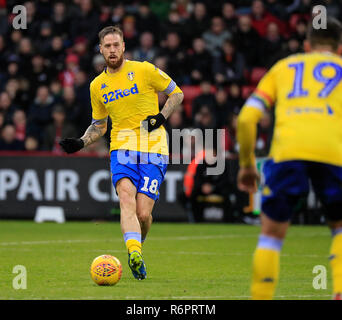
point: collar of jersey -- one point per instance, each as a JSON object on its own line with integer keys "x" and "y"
{"x": 115, "y": 73}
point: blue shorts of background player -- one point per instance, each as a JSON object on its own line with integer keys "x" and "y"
{"x": 145, "y": 170}
{"x": 286, "y": 183}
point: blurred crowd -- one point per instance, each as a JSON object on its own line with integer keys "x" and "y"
{"x": 215, "y": 50}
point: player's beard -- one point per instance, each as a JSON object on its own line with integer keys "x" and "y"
{"x": 117, "y": 64}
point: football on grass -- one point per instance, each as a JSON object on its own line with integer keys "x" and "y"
{"x": 106, "y": 270}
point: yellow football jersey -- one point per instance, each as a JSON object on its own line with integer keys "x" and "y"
{"x": 128, "y": 97}
{"x": 306, "y": 90}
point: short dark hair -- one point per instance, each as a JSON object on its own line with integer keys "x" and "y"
{"x": 109, "y": 30}
{"x": 329, "y": 36}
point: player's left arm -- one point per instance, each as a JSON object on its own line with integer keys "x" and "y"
{"x": 171, "y": 104}
{"x": 252, "y": 111}
{"x": 160, "y": 81}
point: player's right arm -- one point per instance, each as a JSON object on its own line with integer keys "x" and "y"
{"x": 95, "y": 131}
{"x": 262, "y": 98}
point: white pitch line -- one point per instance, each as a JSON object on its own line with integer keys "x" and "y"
{"x": 177, "y": 238}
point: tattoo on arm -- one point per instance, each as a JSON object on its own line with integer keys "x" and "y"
{"x": 95, "y": 131}
{"x": 172, "y": 103}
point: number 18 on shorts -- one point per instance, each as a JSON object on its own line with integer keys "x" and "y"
{"x": 145, "y": 170}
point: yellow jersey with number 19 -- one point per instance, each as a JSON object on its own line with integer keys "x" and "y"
{"x": 128, "y": 97}
{"x": 306, "y": 90}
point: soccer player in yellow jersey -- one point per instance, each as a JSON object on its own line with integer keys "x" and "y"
{"x": 306, "y": 92}
{"x": 127, "y": 92}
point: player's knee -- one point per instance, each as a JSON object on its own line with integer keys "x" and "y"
{"x": 126, "y": 193}
{"x": 125, "y": 187}
{"x": 143, "y": 215}
{"x": 272, "y": 228}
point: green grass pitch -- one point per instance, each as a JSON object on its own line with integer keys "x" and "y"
{"x": 184, "y": 261}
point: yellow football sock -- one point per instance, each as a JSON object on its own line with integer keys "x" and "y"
{"x": 336, "y": 262}
{"x": 133, "y": 245}
{"x": 265, "y": 273}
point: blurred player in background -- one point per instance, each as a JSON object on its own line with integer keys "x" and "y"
{"x": 306, "y": 90}
{"x": 127, "y": 91}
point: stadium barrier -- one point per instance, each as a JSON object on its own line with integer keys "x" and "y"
{"x": 81, "y": 185}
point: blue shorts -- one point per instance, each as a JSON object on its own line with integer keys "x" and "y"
{"x": 145, "y": 170}
{"x": 286, "y": 183}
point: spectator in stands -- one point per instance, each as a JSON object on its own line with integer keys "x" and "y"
{"x": 333, "y": 8}
{"x": 33, "y": 22}
{"x": 73, "y": 108}
{"x": 43, "y": 39}
{"x": 272, "y": 44}
{"x": 176, "y": 58}
{"x": 18, "y": 89}
{"x": 56, "y": 90}
{"x": 265, "y": 130}
{"x": 57, "y": 130}
{"x": 3, "y": 23}
{"x": 292, "y": 46}
{"x": 4, "y": 53}
{"x": 221, "y": 106}
{"x": 39, "y": 114}
{"x": 229, "y": 16}
{"x": 146, "y": 51}
{"x": 235, "y": 100}
{"x": 39, "y": 75}
{"x": 231, "y": 146}
{"x": 130, "y": 32}
{"x": 31, "y": 143}
{"x": 247, "y": 41}
{"x": 174, "y": 23}
{"x": 261, "y": 18}
{"x": 161, "y": 62}
{"x": 206, "y": 97}
{"x": 277, "y": 9}
{"x": 13, "y": 67}
{"x": 199, "y": 62}
{"x": 229, "y": 66}
{"x": 147, "y": 20}
{"x": 86, "y": 22}
{"x": 13, "y": 41}
{"x": 12, "y": 87}
{"x": 6, "y": 105}
{"x": 19, "y": 121}
{"x": 80, "y": 48}
{"x": 82, "y": 100}
{"x": 2, "y": 119}
{"x": 67, "y": 76}
{"x": 205, "y": 119}
{"x": 82, "y": 88}
{"x": 8, "y": 141}
{"x": 44, "y": 9}
{"x": 301, "y": 30}
{"x": 116, "y": 17}
{"x": 60, "y": 20}
{"x": 25, "y": 53}
{"x": 98, "y": 65}
{"x": 198, "y": 22}
{"x": 216, "y": 36}
{"x": 300, "y": 7}
{"x": 56, "y": 54}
